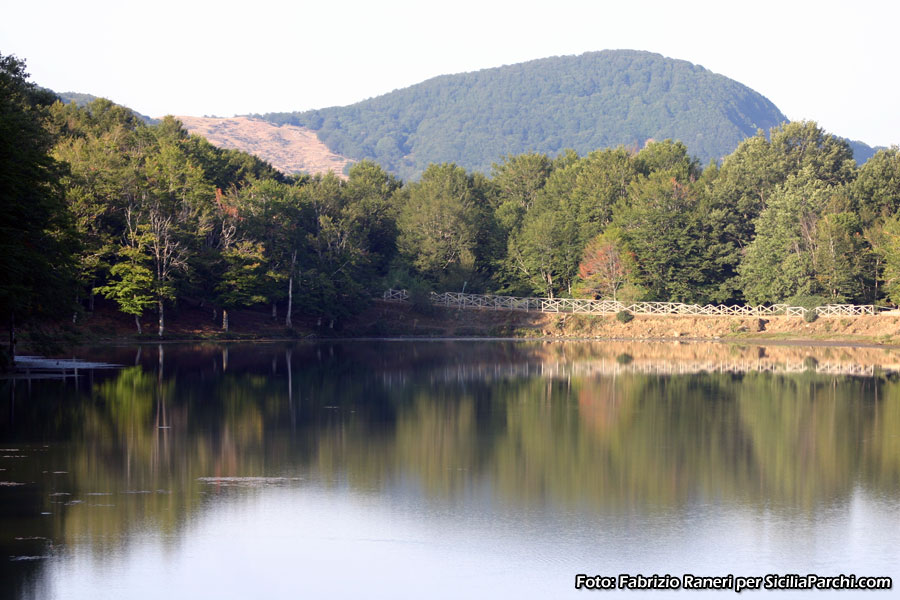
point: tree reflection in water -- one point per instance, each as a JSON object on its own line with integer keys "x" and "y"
{"x": 560, "y": 426}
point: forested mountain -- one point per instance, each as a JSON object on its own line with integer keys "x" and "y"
{"x": 596, "y": 100}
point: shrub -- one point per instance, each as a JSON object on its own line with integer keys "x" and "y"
{"x": 810, "y": 315}
{"x": 807, "y": 302}
{"x": 623, "y": 316}
{"x": 420, "y": 299}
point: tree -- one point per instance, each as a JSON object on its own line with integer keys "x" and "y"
{"x": 101, "y": 146}
{"x": 750, "y": 175}
{"x": 843, "y": 258}
{"x": 132, "y": 285}
{"x": 537, "y": 253}
{"x": 669, "y": 157}
{"x": 600, "y": 184}
{"x": 804, "y": 146}
{"x": 36, "y": 242}
{"x": 780, "y": 261}
{"x": 518, "y": 180}
{"x": 606, "y": 267}
{"x": 889, "y": 249}
{"x": 437, "y": 223}
{"x": 346, "y": 245}
{"x": 177, "y": 196}
{"x": 243, "y": 280}
{"x": 876, "y": 190}
{"x": 660, "y": 225}
{"x": 744, "y": 183}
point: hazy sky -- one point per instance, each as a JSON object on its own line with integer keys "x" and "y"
{"x": 834, "y": 62}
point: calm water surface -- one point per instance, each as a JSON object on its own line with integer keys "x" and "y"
{"x": 446, "y": 469}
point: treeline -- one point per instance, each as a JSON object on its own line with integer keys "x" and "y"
{"x": 98, "y": 202}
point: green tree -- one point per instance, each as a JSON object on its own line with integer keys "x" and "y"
{"x": 36, "y": 245}
{"x": 876, "y": 190}
{"x": 101, "y": 145}
{"x": 780, "y": 261}
{"x": 843, "y": 260}
{"x": 243, "y": 281}
{"x": 132, "y": 282}
{"x": 518, "y": 180}
{"x": 750, "y": 175}
{"x": 667, "y": 156}
{"x": 601, "y": 183}
{"x": 660, "y": 225}
{"x": 888, "y": 248}
{"x": 801, "y": 146}
{"x": 539, "y": 254}
{"x": 437, "y": 223}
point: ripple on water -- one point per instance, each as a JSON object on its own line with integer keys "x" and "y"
{"x": 249, "y": 482}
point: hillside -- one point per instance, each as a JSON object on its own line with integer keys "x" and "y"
{"x": 595, "y": 100}
{"x": 84, "y": 99}
{"x": 288, "y": 148}
{"x": 587, "y": 102}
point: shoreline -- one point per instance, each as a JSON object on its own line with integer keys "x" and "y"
{"x": 393, "y": 321}
{"x": 726, "y": 340}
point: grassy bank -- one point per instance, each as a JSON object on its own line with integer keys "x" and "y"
{"x": 384, "y": 319}
{"x": 401, "y": 319}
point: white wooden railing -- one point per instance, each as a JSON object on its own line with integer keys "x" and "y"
{"x": 605, "y": 307}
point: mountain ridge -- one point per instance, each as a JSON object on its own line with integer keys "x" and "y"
{"x": 584, "y": 102}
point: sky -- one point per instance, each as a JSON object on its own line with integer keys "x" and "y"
{"x": 832, "y": 62}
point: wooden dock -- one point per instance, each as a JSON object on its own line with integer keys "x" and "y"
{"x": 39, "y": 367}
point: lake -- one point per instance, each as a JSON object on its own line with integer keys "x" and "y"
{"x": 448, "y": 469}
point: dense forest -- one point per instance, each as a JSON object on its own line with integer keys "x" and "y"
{"x": 96, "y": 202}
{"x": 596, "y": 100}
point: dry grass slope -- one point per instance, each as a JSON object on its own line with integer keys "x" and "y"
{"x": 288, "y": 148}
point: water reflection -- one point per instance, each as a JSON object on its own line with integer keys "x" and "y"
{"x": 577, "y": 437}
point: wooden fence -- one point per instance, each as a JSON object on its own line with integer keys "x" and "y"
{"x": 606, "y": 307}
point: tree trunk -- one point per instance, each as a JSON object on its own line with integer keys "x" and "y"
{"x": 274, "y": 311}
{"x": 12, "y": 338}
{"x": 225, "y": 319}
{"x": 290, "y": 306}
{"x": 137, "y": 321}
{"x": 162, "y": 319}
{"x": 287, "y": 316}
